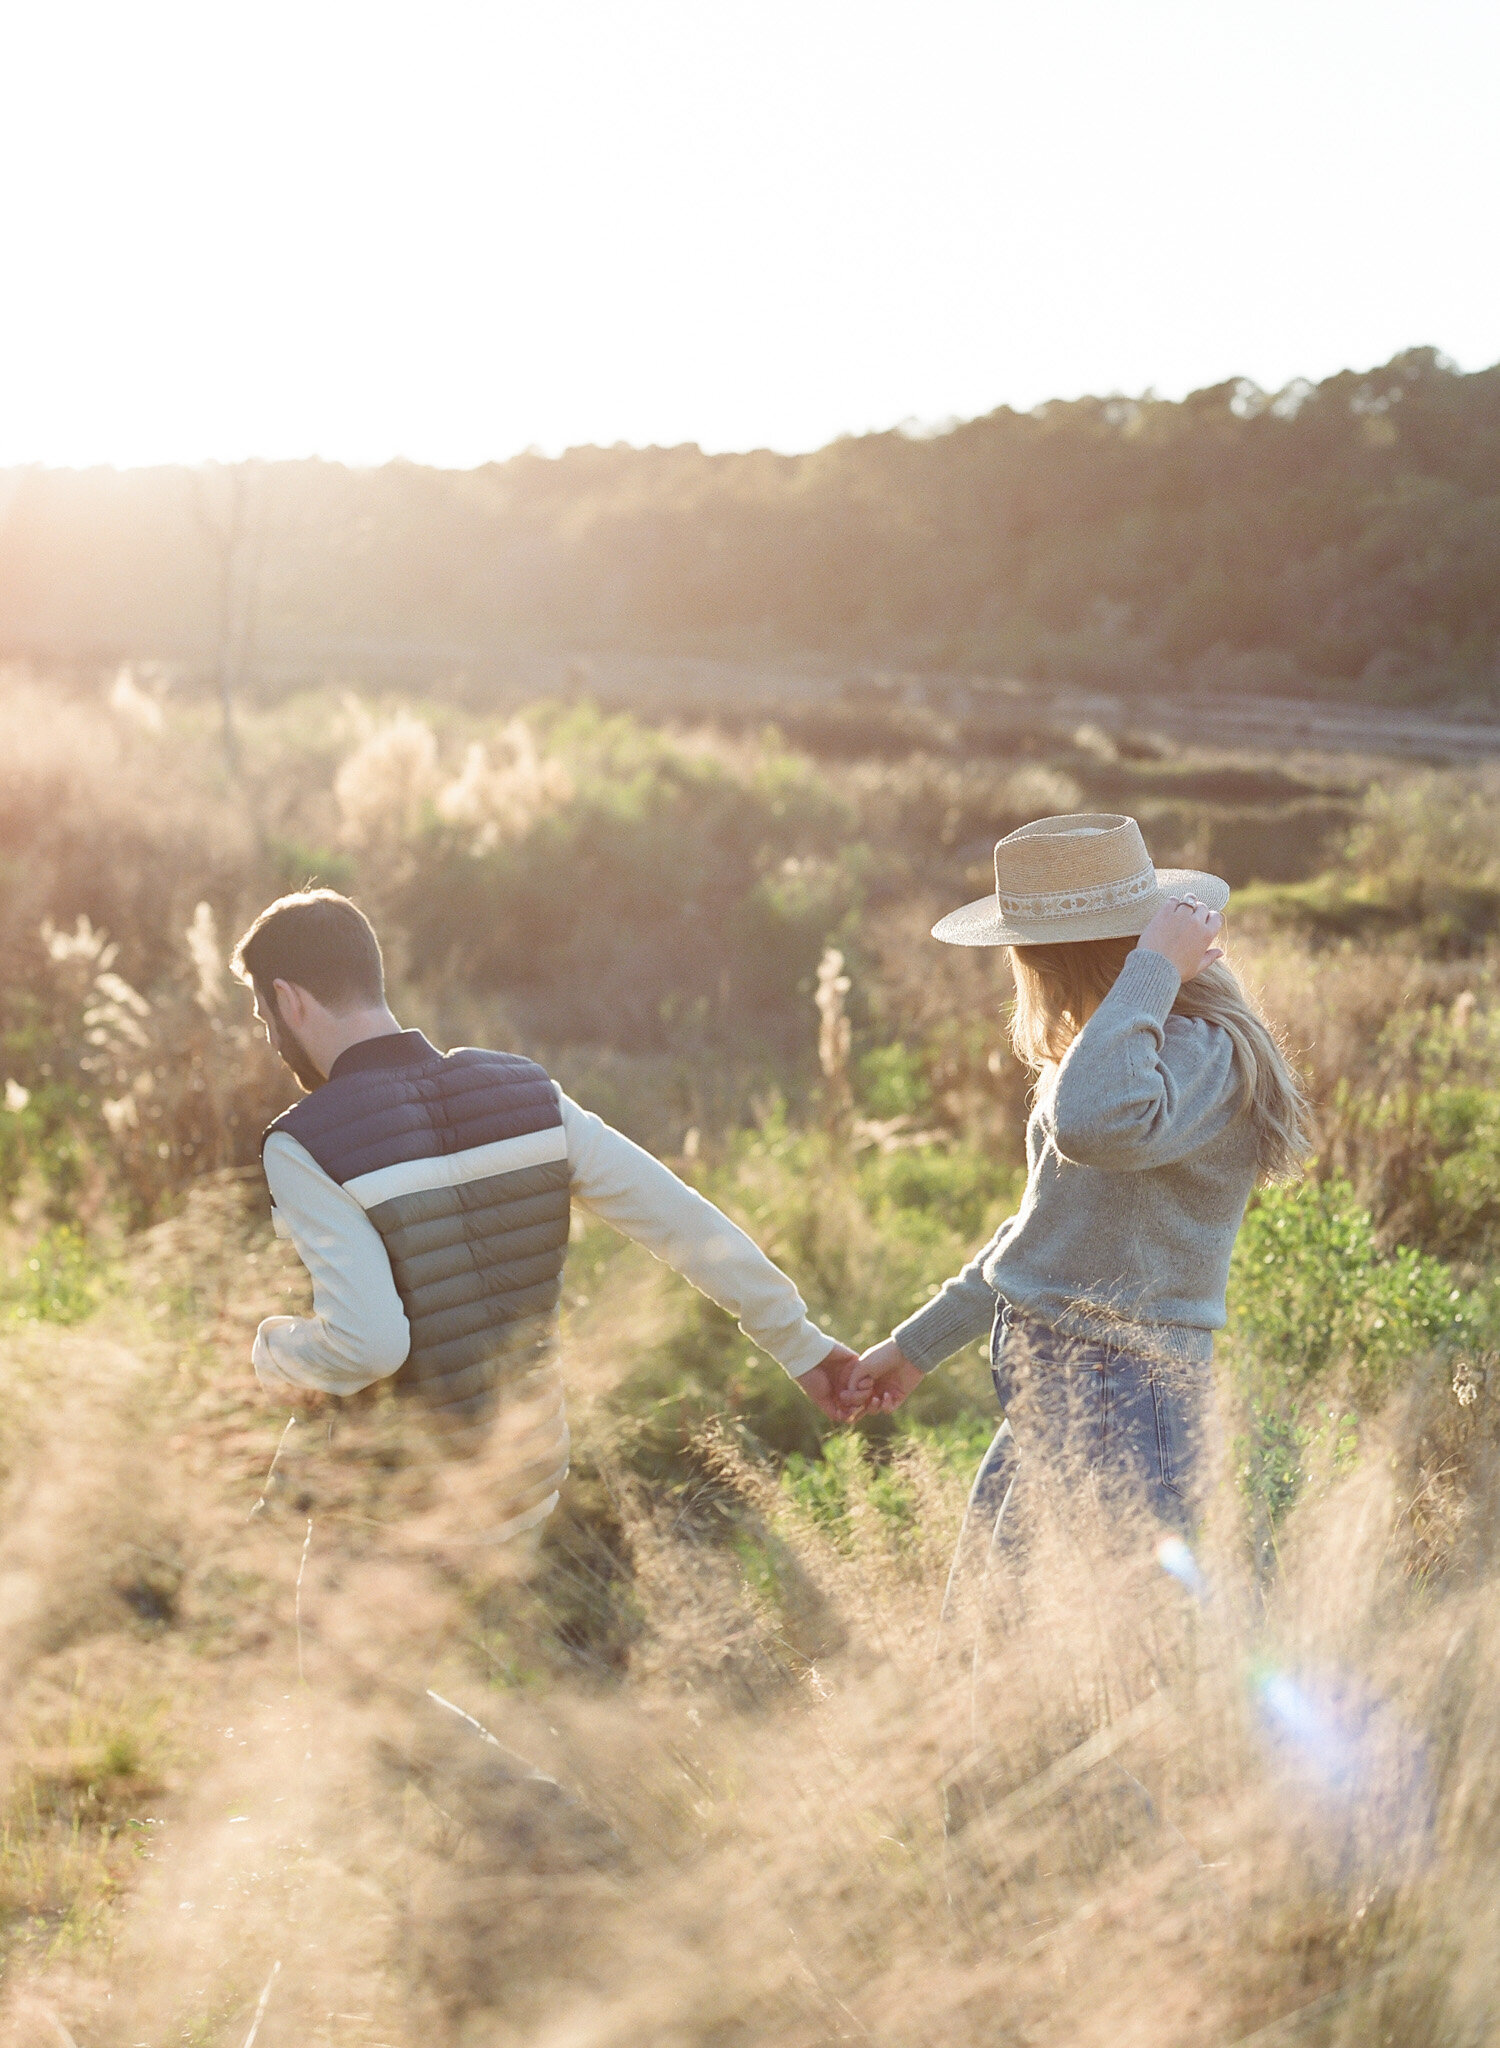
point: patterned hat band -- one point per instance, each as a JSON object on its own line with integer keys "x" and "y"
{"x": 1080, "y": 902}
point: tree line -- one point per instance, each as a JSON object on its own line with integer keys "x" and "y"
{"x": 1342, "y": 537}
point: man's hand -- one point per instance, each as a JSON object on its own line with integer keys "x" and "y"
{"x": 826, "y": 1386}
{"x": 882, "y": 1379}
{"x": 1183, "y": 931}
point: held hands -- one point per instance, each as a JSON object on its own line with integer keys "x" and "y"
{"x": 1183, "y": 931}
{"x": 826, "y": 1385}
{"x": 846, "y": 1386}
{"x": 882, "y": 1379}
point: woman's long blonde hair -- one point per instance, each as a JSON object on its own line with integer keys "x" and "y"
{"x": 1058, "y": 988}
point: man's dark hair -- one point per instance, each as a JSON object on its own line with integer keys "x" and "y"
{"x": 319, "y": 940}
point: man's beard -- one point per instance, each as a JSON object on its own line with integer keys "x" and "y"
{"x": 294, "y": 1054}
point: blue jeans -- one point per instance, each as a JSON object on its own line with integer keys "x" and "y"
{"x": 1084, "y": 1413}
{"x": 1100, "y": 1449}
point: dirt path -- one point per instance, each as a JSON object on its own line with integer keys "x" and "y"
{"x": 685, "y": 686}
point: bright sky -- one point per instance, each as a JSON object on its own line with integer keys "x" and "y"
{"x": 450, "y": 231}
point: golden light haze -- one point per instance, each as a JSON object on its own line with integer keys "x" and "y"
{"x": 451, "y": 232}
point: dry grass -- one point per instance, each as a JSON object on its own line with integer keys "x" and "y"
{"x": 796, "y": 1813}
{"x": 218, "y": 1783}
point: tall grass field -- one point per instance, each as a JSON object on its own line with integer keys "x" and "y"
{"x": 794, "y": 1785}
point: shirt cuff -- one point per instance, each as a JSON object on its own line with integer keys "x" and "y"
{"x": 267, "y": 1371}
{"x": 807, "y": 1349}
{"x": 937, "y": 1331}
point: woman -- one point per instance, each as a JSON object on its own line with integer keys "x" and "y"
{"x": 1161, "y": 1099}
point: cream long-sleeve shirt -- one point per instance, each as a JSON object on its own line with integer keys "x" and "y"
{"x": 358, "y": 1332}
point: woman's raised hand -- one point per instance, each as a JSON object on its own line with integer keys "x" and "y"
{"x": 1183, "y": 931}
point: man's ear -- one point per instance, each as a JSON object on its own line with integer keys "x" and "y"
{"x": 291, "y": 1003}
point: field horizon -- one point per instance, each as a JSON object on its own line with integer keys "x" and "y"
{"x": 1333, "y": 540}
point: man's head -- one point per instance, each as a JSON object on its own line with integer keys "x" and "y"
{"x": 314, "y": 963}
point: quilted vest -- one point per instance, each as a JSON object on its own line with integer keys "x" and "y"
{"x": 460, "y": 1161}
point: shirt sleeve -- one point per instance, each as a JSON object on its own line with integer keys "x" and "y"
{"x": 357, "y": 1332}
{"x": 960, "y": 1313}
{"x": 1128, "y": 1094}
{"x": 622, "y": 1185}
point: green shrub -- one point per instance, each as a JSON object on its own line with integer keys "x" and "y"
{"x": 893, "y": 1081}
{"x": 950, "y": 1197}
{"x": 848, "y": 1477}
{"x": 1312, "y": 1289}
{"x": 1427, "y": 824}
{"x": 1450, "y": 920}
{"x": 1281, "y": 1447}
{"x": 827, "y": 1488}
{"x": 672, "y": 896}
{"x": 868, "y": 1238}
{"x": 1321, "y": 1322}
{"x": 59, "y": 1282}
{"x": 1428, "y": 1159}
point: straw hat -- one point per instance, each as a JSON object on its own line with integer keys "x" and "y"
{"x": 1087, "y": 876}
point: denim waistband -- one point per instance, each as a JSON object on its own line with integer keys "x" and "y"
{"x": 1162, "y": 1343}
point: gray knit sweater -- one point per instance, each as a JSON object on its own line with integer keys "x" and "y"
{"x": 1140, "y": 1164}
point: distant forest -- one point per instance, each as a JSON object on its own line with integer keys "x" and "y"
{"x": 1335, "y": 538}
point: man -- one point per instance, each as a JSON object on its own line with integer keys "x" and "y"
{"x": 428, "y": 1194}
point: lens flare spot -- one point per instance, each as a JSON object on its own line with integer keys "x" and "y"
{"x": 1175, "y": 1558}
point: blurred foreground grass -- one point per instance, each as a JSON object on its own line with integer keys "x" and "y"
{"x": 1166, "y": 1822}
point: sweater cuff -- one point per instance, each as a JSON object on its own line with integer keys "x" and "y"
{"x": 935, "y": 1332}
{"x": 1149, "y": 981}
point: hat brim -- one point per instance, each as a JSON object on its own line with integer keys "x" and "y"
{"x": 981, "y": 924}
